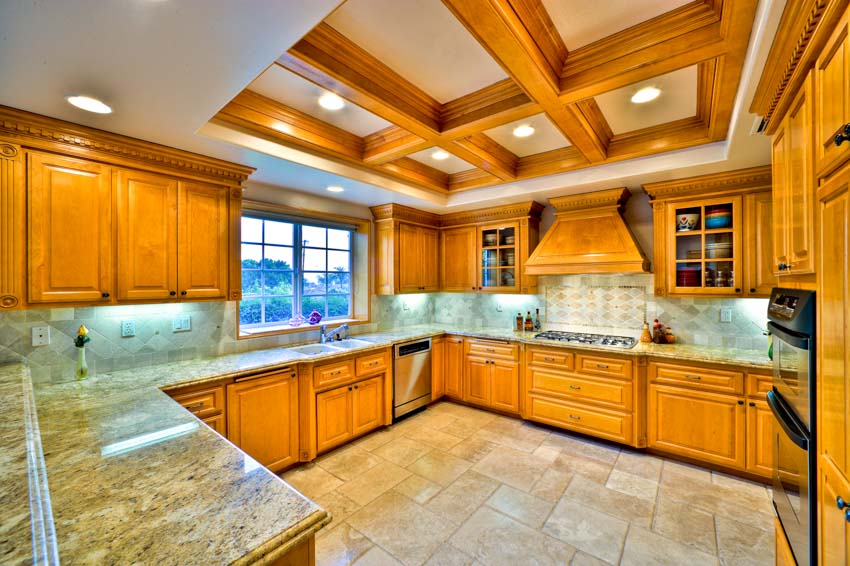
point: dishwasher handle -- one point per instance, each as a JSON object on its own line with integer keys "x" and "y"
{"x": 411, "y": 348}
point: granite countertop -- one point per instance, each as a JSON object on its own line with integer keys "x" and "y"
{"x": 111, "y": 469}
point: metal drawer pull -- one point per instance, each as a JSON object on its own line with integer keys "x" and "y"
{"x": 576, "y": 387}
{"x": 548, "y": 359}
{"x": 374, "y": 363}
{"x": 602, "y": 366}
{"x": 336, "y": 372}
{"x": 692, "y": 376}
{"x": 489, "y": 350}
{"x": 195, "y": 406}
{"x": 575, "y": 417}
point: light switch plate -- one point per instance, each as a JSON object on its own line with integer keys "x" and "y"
{"x": 181, "y": 323}
{"x": 725, "y": 314}
{"x": 128, "y": 328}
{"x": 40, "y": 335}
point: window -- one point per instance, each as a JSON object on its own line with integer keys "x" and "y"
{"x": 290, "y": 269}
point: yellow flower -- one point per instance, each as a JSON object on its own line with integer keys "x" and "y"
{"x": 82, "y": 331}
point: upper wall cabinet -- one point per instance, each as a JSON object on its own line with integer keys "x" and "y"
{"x": 712, "y": 235}
{"x": 479, "y": 251}
{"x": 70, "y": 230}
{"x": 92, "y": 218}
{"x": 832, "y": 106}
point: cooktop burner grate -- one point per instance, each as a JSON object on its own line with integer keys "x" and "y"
{"x": 590, "y": 339}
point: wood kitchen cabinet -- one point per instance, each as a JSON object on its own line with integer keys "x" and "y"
{"x": 832, "y": 102}
{"x": 406, "y": 249}
{"x": 727, "y": 248}
{"x": 438, "y": 367}
{"x": 759, "y": 438}
{"x": 262, "y": 418}
{"x": 417, "y": 259}
{"x": 346, "y": 412}
{"x": 207, "y": 402}
{"x": 458, "y": 266}
{"x": 69, "y": 230}
{"x": 491, "y": 375}
{"x": 202, "y": 241}
{"x": 454, "y": 367}
{"x": 793, "y": 189}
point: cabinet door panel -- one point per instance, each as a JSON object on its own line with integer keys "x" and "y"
{"x": 832, "y": 110}
{"x": 147, "y": 236}
{"x": 367, "y": 403}
{"x": 409, "y": 261}
{"x": 429, "y": 245}
{"x": 800, "y": 184}
{"x": 701, "y": 425}
{"x": 334, "y": 423}
{"x": 202, "y": 240}
{"x": 262, "y": 419}
{"x": 758, "y": 266}
{"x": 70, "y": 229}
{"x": 457, "y": 260}
{"x": 438, "y": 368}
{"x": 834, "y": 529}
{"x": 454, "y": 367}
{"x": 779, "y": 159}
{"x": 476, "y": 381}
{"x": 759, "y": 439}
{"x": 504, "y": 393}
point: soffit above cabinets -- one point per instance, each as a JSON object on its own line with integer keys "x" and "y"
{"x": 460, "y": 75}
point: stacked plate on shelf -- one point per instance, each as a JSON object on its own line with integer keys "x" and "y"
{"x": 689, "y": 276}
{"x": 718, "y": 250}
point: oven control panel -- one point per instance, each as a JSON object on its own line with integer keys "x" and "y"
{"x": 793, "y": 309}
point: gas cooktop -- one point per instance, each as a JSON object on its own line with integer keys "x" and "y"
{"x": 589, "y": 339}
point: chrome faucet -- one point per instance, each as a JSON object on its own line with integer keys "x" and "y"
{"x": 328, "y": 335}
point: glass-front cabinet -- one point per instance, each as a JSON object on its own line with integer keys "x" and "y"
{"x": 704, "y": 240}
{"x": 498, "y": 246}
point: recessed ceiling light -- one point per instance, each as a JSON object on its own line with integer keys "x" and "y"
{"x": 523, "y": 131}
{"x": 330, "y": 101}
{"x": 88, "y": 103}
{"x": 645, "y": 94}
{"x": 335, "y": 189}
{"x": 440, "y": 154}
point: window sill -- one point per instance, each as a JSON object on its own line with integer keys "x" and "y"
{"x": 259, "y": 332}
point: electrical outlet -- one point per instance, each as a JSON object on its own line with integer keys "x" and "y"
{"x": 498, "y": 307}
{"x": 181, "y": 323}
{"x": 725, "y": 314}
{"x": 405, "y": 306}
{"x": 40, "y": 335}
{"x": 128, "y": 328}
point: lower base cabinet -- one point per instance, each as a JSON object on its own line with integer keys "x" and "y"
{"x": 205, "y": 402}
{"x": 347, "y": 412}
{"x": 697, "y": 424}
{"x": 834, "y": 522}
{"x": 262, "y": 418}
{"x": 453, "y": 376}
{"x": 784, "y": 556}
{"x": 492, "y": 381}
{"x": 759, "y": 438}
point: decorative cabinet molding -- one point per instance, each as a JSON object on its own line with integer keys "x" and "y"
{"x": 88, "y": 217}
{"x": 12, "y": 226}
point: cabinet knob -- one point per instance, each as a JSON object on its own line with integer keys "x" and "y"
{"x": 740, "y": 402}
{"x": 105, "y": 295}
{"x": 752, "y": 404}
{"x": 183, "y": 293}
{"x": 172, "y": 293}
{"x": 752, "y": 290}
{"x": 349, "y": 388}
{"x": 737, "y": 290}
{"x": 783, "y": 266}
{"x": 356, "y": 386}
{"x": 839, "y": 501}
{"x": 843, "y": 134}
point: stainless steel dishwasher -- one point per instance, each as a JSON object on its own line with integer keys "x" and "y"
{"x": 411, "y": 376}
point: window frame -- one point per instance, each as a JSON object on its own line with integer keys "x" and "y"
{"x": 360, "y": 276}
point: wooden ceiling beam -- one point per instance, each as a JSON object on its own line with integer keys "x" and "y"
{"x": 489, "y": 156}
{"x": 421, "y": 173}
{"x": 491, "y": 106}
{"x": 510, "y": 36}
{"x": 390, "y": 144}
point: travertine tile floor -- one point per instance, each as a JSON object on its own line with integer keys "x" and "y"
{"x": 455, "y": 485}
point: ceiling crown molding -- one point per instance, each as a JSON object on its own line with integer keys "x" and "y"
{"x": 41, "y": 132}
{"x": 530, "y": 209}
{"x": 742, "y": 180}
{"x": 611, "y": 197}
{"x": 392, "y": 211}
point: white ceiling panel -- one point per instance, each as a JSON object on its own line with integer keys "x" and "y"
{"x": 545, "y": 137}
{"x": 422, "y": 41}
{"x": 581, "y": 22}
{"x": 290, "y": 89}
{"x": 678, "y": 100}
{"x": 449, "y": 165}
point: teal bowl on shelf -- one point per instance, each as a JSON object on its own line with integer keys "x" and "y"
{"x": 713, "y": 221}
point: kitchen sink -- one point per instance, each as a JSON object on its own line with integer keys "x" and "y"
{"x": 351, "y": 343}
{"x": 315, "y": 349}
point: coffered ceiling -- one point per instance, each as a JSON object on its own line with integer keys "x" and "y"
{"x": 462, "y": 74}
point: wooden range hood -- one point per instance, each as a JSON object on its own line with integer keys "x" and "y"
{"x": 589, "y": 235}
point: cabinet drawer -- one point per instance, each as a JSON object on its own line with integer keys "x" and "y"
{"x": 492, "y": 350}
{"x": 613, "y": 392}
{"x": 555, "y": 359}
{"x": 204, "y": 403}
{"x": 371, "y": 363}
{"x": 600, "y": 366}
{"x": 331, "y": 374}
{"x": 758, "y": 385}
{"x": 717, "y": 380}
{"x": 597, "y": 422}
